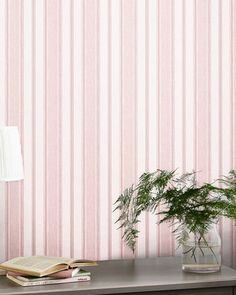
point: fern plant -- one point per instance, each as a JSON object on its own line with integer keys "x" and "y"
{"x": 186, "y": 205}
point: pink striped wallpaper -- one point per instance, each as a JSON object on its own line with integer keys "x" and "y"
{"x": 102, "y": 91}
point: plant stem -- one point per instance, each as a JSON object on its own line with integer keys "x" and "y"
{"x": 210, "y": 249}
{"x": 193, "y": 254}
{"x": 199, "y": 246}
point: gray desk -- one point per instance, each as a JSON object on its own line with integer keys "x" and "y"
{"x": 161, "y": 276}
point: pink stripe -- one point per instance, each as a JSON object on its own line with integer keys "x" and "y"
{"x": 22, "y": 121}
{"x": 52, "y": 126}
{"x": 97, "y": 236}
{"x": 59, "y": 60}
{"x": 184, "y": 91}
{"x": 202, "y": 99}
{"x": 172, "y": 240}
{"x": 45, "y": 124}
{"x": 147, "y": 113}
{"x": 90, "y": 129}
{"x": 172, "y": 46}
{"x": 121, "y": 126}
{"x": 233, "y": 78}
{"x": 195, "y": 83}
{"x": 209, "y": 91}
{"x": 33, "y": 134}
{"x": 110, "y": 205}
{"x": 135, "y": 96}
{"x": 220, "y": 87}
{"x": 83, "y": 127}
{"x": 231, "y": 86}
{"x": 166, "y": 107}
{"x": 232, "y": 147}
{"x": 158, "y": 115}
{"x": 233, "y": 93}
{"x": 128, "y": 98}
{"x": 6, "y": 120}
{"x": 220, "y": 104}
{"x": 14, "y": 105}
{"x": 72, "y": 178}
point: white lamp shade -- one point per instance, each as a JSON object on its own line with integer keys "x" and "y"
{"x": 11, "y": 164}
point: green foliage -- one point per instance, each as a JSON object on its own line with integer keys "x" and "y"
{"x": 184, "y": 204}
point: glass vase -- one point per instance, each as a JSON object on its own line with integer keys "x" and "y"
{"x": 202, "y": 253}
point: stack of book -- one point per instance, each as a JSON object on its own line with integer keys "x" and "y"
{"x": 45, "y": 270}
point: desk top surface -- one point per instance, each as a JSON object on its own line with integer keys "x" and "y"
{"x": 124, "y": 276}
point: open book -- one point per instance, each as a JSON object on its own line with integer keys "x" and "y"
{"x": 40, "y": 266}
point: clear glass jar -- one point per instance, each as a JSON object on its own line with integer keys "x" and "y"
{"x": 202, "y": 254}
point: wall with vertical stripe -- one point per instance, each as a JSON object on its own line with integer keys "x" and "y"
{"x": 102, "y": 91}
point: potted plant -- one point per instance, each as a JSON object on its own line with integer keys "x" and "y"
{"x": 192, "y": 210}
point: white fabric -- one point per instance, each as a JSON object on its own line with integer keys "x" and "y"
{"x": 11, "y": 164}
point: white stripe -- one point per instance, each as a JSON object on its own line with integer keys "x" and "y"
{"x": 39, "y": 130}
{"x": 2, "y": 122}
{"x": 116, "y": 121}
{"x": 103, "y": 136}
{"x": 152, "y": 153}
{"x": 215, "y": 89}
{"x": 178, "y": 84}
{"x": 226, "y": 127}
{"x": 178, "y": 90}
{"x": 226, "y": 107}
{"x": 66, "y": 140}
{"x": 2, "y": 62}
{"x": 78, "y": 125}
{"x": 189, "y": 82}
{"x": 28, "y": 127}
{"x": 141, "y": 109}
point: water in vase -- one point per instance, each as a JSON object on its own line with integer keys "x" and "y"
{"x": 201, "y": 257}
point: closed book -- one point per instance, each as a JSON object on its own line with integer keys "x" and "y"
{"x": 48, "y": 281}
{"x": 67, "y": 274}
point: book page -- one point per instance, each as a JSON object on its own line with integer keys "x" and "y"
{"x": 81, "y": 263}
{"x": 35, "y": 263}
